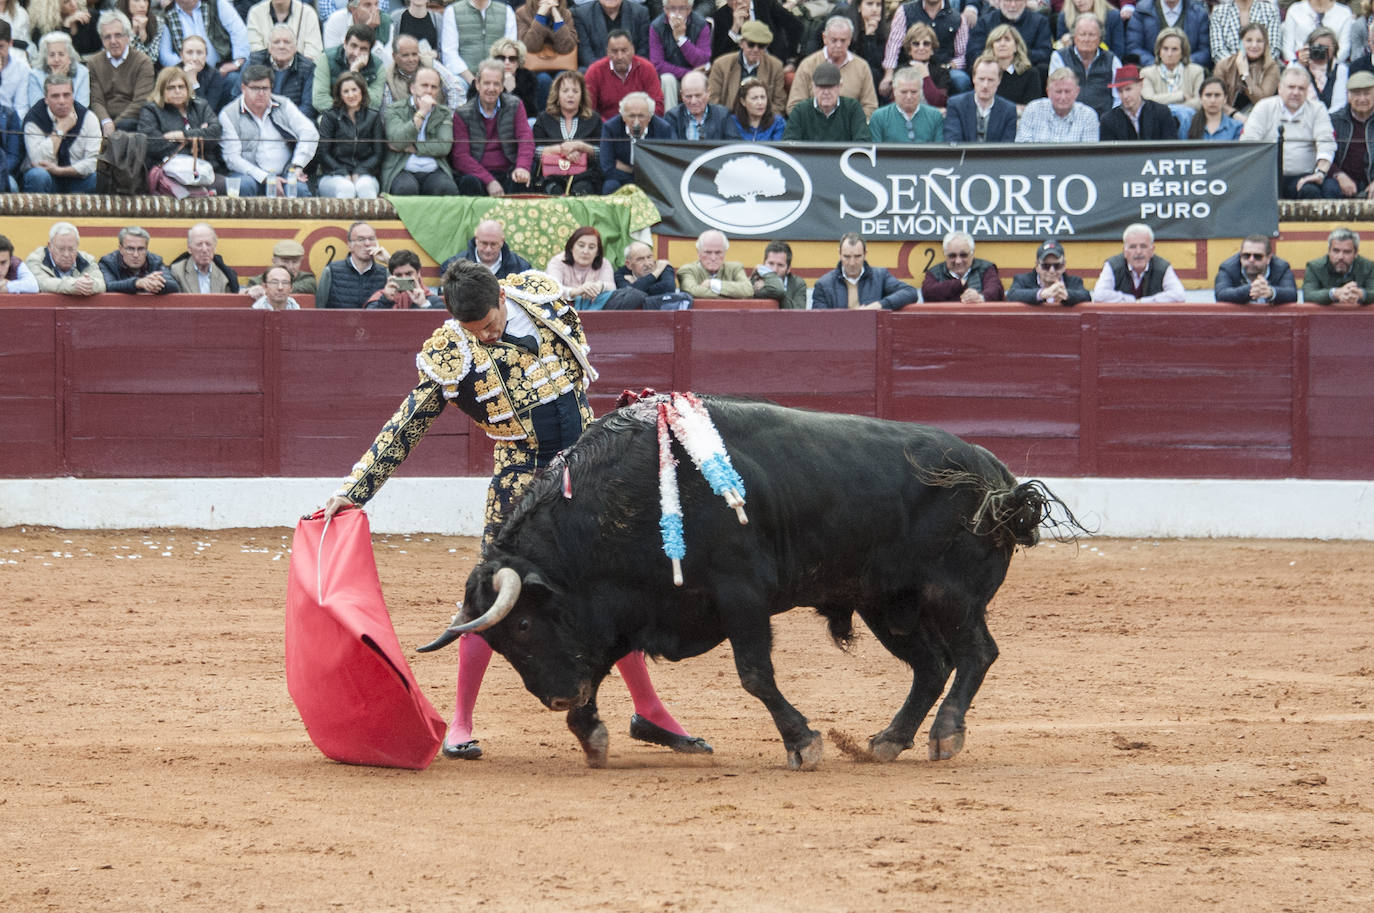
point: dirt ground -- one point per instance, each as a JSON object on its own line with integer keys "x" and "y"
{"x": 1172, "y": 724}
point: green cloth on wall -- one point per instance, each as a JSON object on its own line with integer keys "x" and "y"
{"x": 536, "y": 228}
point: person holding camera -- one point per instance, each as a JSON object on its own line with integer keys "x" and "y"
{"x": 404, "y": 288}
{"x": 1328, "y": 77}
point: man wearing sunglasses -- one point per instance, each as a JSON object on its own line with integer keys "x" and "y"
{"x": 751, "y": 61}
{"x": 1049, "y": 283}
{"x": 1256, "y": 276}
{"x": 962, "y": 277}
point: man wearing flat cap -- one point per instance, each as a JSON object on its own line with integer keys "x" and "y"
{"x": 1049, "y": 283}
{"x": 291, "y": 255}
{"x": 828, "y": 117}
{"x": 1353, "y": 166}
{"x": 751, "y": 61}
{"x": 1137, "y": 117}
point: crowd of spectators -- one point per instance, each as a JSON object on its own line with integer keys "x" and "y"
{"x": 478, "y": 97}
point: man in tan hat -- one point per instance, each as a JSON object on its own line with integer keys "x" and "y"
{"x": 291, "y": 256}
{"x": 856, "y": 78}
{"x": 751, "y": 61}
{"x": 1353, "y": 166}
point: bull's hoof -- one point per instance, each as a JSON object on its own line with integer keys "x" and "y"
{"x": 596, "y": 745}
{"x": 947, "y": 747}
{"x": 887, "y": 749}
{"x": 808, "y": 757}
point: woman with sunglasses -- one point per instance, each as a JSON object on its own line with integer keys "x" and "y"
{"x": 918, "y": 52}
{"x": 520, "y": 82}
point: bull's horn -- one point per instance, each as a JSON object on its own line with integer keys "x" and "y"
{"x": 507, "y": 584}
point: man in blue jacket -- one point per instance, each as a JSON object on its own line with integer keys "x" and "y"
{"x": 855, "y": 284}
{"x": 488, "y": 247}
{"x": 1256, "y": 276}
{"x": 1152, "y": 15}
{"x": 133, "y": 269}
{"x": 981, "y": 116}
{"x": 696, "y": 118}
{"x": 636, "y": 121}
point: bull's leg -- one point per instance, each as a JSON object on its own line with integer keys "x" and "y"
{"x": 974, "y": 653}
{"x": 930, "y": 668}
{"x": 585, "y": 723}
{"x": 754, "y": 663}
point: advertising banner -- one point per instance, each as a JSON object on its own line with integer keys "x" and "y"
{"x": 819, "y": 191}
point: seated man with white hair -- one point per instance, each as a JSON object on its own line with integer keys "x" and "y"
{"x": 293, "y": 73}
{"x": 635, "y": 122}
{"x": 711, "y": 276}
{"x": 696, "y": 119}
{"x": 62, "y": 267}
{"x": 1136, "y": 274}
{"x": 962, "y": 277}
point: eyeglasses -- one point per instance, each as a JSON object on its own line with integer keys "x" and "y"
{"x": 746, "y": 43}
{"x": 957, "y": 256}
{"x": 1251, "y": 256}
{"x": 922, "y": 43}
{"x": 267, "y": 88}
{"x": 507, "y": 57}
{"x": 1054, "y": 267}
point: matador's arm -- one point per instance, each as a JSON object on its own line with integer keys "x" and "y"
{"x": 394, "y": 442}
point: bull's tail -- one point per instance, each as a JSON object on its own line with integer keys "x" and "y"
{"x": 1013, "y": 516}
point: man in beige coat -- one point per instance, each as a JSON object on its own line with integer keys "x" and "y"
{"x": 200, "y": 270}
{"x": 752, "y": 60}
{"x": 711, "y": 276}
{"x": 856, "y": 79}
{"x": 61, "y": 266}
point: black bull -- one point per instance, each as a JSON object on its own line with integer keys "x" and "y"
{"x": 909, "y": 526}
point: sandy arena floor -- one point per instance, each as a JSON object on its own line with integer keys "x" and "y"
{"x": 1172, "y": 725}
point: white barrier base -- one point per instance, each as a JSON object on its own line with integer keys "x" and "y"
{"x": 1190, "y": 508}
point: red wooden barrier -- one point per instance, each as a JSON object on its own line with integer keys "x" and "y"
{"x": 1158, "y": 391}
{"x": 120, "y": 300}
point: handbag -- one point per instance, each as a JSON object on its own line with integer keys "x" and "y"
{"x": 190, "y": 169}
{"x": 547, "y": 60}
{"x": 556, "y": 168}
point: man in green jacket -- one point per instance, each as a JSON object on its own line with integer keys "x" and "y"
{"x": 829, "y": 117}
{"x": 1342, "y": 278}
{"x": 354, "y": 54}
{"x": 906, "y": 120}
{"x": 419, "y": 138}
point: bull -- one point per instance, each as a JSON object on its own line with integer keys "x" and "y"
{"x": 907, "y": 525}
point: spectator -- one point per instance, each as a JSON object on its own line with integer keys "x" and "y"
{"x": 267, "y": 140}
{"x": 830, "y": 117}
{"x": 57, "y": 57}
{"x": 419, "y": 137}
{"x": 1309, "y": 142}
{"x": 635, "y": 122}
{"x": 569, "y": 131}
{"x": 1049, "y": 283}
{"x": 133, "y": 269}
{"x": 906, "y": 120}
{"x": 1362, "y": 51}
{"x": 1034, "y": 29}
{"x": 293, "y": 75}
{"x": 217, "y": 23}
{"x": 774, "y": 279}
{"x": 421, "y": 23}
{"x": 1255, "y": 276}
{"x": 949, "y": 37}
{"x": 11, "y": 149}
{"x": 201, "y": 269}
{"x": 1353, "y": 166}
{"x": 488, "y": 247}
{"x": 1112, "y": 25}
{"x": 62, "y": 140}
{"x": 1249, "y": 74}
{"x": 350, "y": 156}
{"x": 172, "y": 117}
{"x": 1137, "y": 274}
{"x": 856, "y": 80}
{"x": 544, "y": 24}
{"x": 730, "y": 71}
{"x": 287, "y": 255}
{"x": 1231, "y": 17}
{"x": 1302, "y": 17}
{"x": 406, "y": 60}
{"x": 962, "y": 277}
{"x": 856, "y": 285}
{"x": 918, "y": 53}
{"x": 1327, "y": 77}
{"x": 1136, "y": 118}
{"x": 981, "y": 116}
{"x": 15, "y": 14}
{"x": 698, "y": 120}
{"x": 354, "y": 55}
{"x": 276, "y": 285}
{"x": 404, "y": 288}
{"x": 76, "y": 18}
{"x": 366, "y": 13}
{"x": 730, "y": 18}
{"x": 206, "y": 81}
{"x": 121, "y": 77}
{"x": 754, "y": 116}
{"x": 1061, "y": 118}
{"x": 1092, "y": 65}
{"x": 583, "y": 270}
{"x": 470, "y": 27}
{"x": 493, "y": 148}
{"x": 597, "y": 21}
{"x": 619, "y": 73}
{"x": 679, "y": 42}
{"x": 1153, "y": 16}
{"x": 62, "y": 266}
{"x": 14, "y": 74}
{"x": 645, "y": 283}
{"x": 15, "y": 276}
{"x": 711, "y": 275}
{"x": 516, "y": 80}
{"x": 1342, "y": 278}
{"x": 1211, "y": 123}
{"x": 300, "y": 18}
{"x": 145, "y": 27}
{"x": 869, "y": 43}
{"x": 350, "y": 282}
{"x": 1021, "y": 82}
{"x": 1173, "y": 80}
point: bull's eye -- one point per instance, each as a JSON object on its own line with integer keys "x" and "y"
{"x": 523, "y": 626}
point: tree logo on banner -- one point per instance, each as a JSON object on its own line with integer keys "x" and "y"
{"x": 746, "y": 189}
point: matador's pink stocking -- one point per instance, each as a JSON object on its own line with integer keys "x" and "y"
{"x": 647, "y": 703}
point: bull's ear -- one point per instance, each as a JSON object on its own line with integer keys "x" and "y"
{"x": 534, "y": 586}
